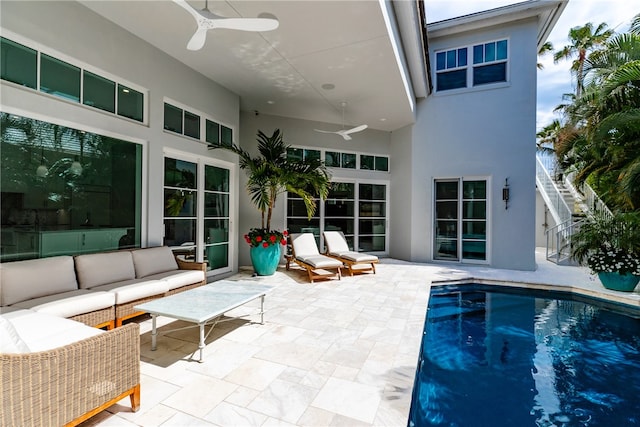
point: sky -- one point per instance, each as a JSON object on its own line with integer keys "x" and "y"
{"x": 555, "y": 79}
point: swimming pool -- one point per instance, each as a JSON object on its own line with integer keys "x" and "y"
{"x": 495, "y": 356}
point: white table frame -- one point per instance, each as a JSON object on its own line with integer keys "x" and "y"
{"x": 238, "y": 293}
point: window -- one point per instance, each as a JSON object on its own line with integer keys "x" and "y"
{"x": 359, "y": 210}
{"x": 339, "y": 210}
{"x": 59, "y": 78}
{"x": 99, "y": 92}
{"x": 191, "y": 125}
{"x": 451, "y": 68}
{"x": 185, "y": 183}
{"x": 460, "y": 220}
{"x": 172, "y": 118}
{"x": 66, "y": 191}
{"x": 130, "y": 103}
{"x": 19, "y": 64}
{"x": 217, "y": 134}
{"x": 372, "y": 211}
{"x": 374, "y": 163}
{"x": 489, "y": 65}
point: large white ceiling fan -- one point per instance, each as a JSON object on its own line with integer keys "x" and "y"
{"x": 208, "y": 20}
{"x": 345, "y": 133}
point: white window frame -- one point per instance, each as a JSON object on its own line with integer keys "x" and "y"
{"x": 460, "y": 219}
{"x": 471, "y": 66}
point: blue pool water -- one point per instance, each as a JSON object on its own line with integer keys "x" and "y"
{"x": 497, "y": 357}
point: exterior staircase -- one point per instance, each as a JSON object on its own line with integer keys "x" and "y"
{"x": 567, "y": 206}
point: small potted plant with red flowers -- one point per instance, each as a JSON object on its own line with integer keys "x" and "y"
{"x": 270, "y": 174}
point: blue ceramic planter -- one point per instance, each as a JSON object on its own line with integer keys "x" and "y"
{"x": 618, "y": 282}
{"x": 265, "y": 260}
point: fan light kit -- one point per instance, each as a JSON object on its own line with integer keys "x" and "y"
{"x": 345, "y": 133}
{"x": 208, "y": 20}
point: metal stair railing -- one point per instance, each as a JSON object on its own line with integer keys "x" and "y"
{"x": 592, "y": 202}
{"x": 559, "y": 241}
{"x": 553, "y": 198}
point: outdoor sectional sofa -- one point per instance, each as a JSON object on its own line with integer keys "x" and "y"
{"x": 55, "y": 371}
{"x": 98, "y": 289}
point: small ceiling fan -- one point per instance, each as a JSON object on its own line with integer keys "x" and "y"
{"x": 208, "y": 20}
{"x": 345, "y": 133}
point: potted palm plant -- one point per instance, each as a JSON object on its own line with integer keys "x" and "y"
{"x": 271, "y": 174}
{"x": 610, "y": 246}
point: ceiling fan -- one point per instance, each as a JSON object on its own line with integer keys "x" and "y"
{"x": 345, "y": 133}
{"x": 208, "y": 20}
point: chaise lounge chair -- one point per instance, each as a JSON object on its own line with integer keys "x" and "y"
{"x": 338, "y": 248}
{"x": 304, "y": 252}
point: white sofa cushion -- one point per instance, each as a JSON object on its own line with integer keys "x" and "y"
{"x": 131, "y": 290}
{"x": 180, "y": 278}
{"x": 10, "y": 341}
{"x": 68, "y": 304}
{"x": 156, "y": 260}
{"x": 41, "y": 331}
{"x": 102, "y": 268}
{"x": 25, "y": 280}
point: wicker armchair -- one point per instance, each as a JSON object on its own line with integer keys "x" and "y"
{"x": 70, "y": 384}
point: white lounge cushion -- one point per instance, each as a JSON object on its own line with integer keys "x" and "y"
{"x": 131, "y": 290}
{"x": 335, "y": 242}
{"x": 304, "y": 244}
{"x": 180, "y": 278}
{"x": 10, "y": 341}
{"x": 70, "y": 304}
{"x": 355, "y": 256}
{"x": 320, "y": 261}
{"x": 41, "y": 331}
{"x": 102, "y": 268}
{"x": 156, "y": 260}
{"x": 25, "y": 280}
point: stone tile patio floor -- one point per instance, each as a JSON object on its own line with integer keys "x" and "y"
{"x": 332, "y": 353}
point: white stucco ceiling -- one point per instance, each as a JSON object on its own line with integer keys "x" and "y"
{"x": 281, "y": 72}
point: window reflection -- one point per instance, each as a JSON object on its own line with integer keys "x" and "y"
{"x": 66, "y": 191}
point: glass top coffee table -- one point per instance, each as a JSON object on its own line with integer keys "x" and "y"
{"x": 204, "y": 305}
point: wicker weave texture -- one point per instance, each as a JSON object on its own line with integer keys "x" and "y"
{"x": 55, "y": 387}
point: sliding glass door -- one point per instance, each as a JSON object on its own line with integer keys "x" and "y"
{"x": 460, "y": 220}
{"x": 197, "y": 214}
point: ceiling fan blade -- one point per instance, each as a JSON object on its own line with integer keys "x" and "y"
{"x": 356, "y": 129}
{"x": 346, "y": 137}
{"x": 247, "y": 24}
{"x": 198, "y": 39}
{"x": 324, "y": 131}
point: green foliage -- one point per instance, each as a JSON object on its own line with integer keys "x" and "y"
{"x": 609, "y": 243}
{"x": 599, "y": 137}
{"x": 273, "y": 172}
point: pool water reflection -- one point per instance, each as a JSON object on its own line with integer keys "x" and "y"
{"x": 494, "y": 356}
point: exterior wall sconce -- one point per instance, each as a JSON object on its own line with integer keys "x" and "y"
{"x": 505, "y": 193}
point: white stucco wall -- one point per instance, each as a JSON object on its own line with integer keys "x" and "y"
{"x": 483, "y": 132}
{"x": 70, "y": 31}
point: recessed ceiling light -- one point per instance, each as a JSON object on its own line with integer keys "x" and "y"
{"x": 270, "y": 102}
{"x": 383, "y": 119}
{"x": 328, "y": 86}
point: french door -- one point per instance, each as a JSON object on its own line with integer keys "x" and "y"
{"x": 460, "y": 220}
{"x": 197, "y": 210}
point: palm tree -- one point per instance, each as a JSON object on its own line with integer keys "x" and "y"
{"x": 635, "y": 25}
{"x": 273, "y": 172}
{"x": 583, "y": 40}
{"x": 544, "y": 49}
